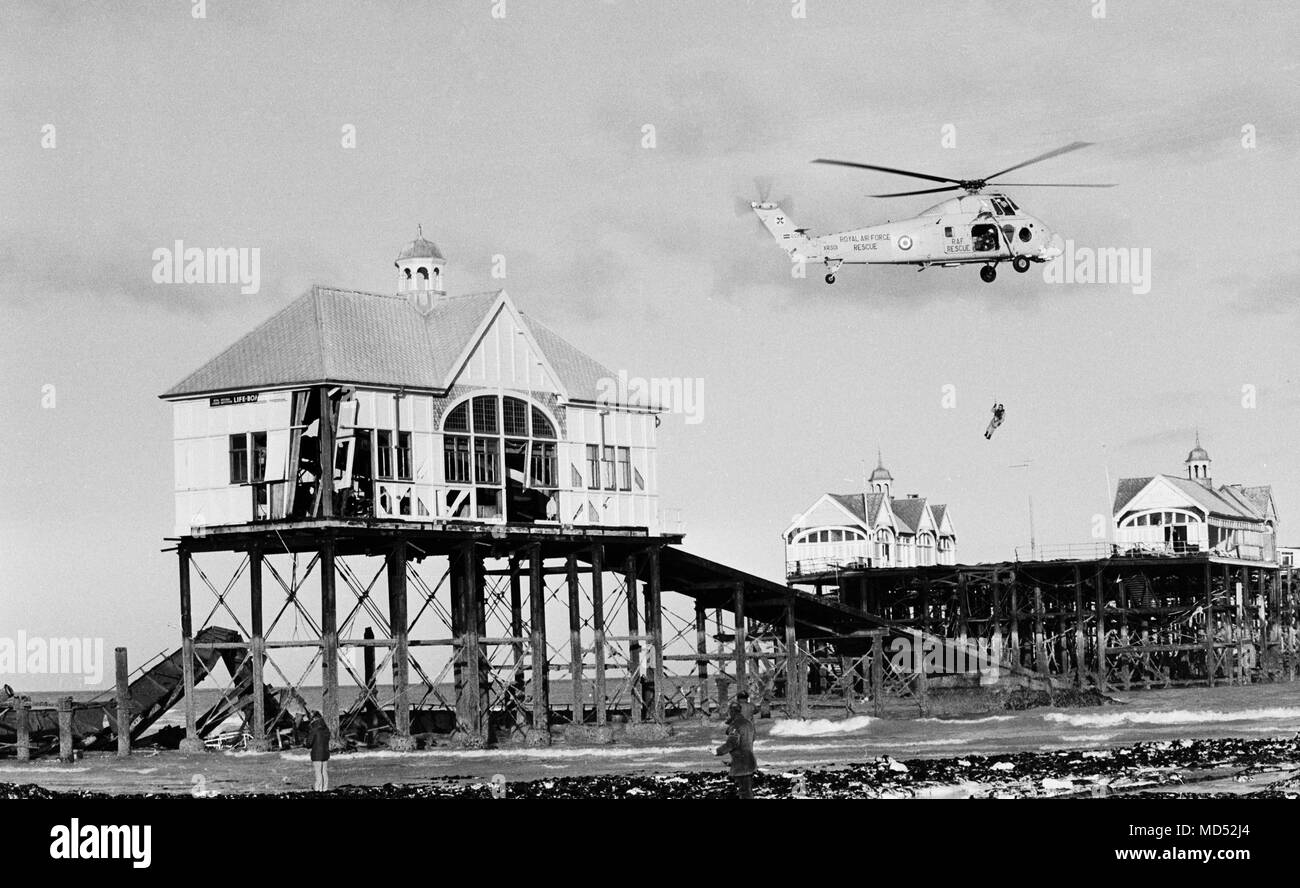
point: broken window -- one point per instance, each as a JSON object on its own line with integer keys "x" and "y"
{"x": 625, "y": 469}
{"x": 541, "y": 467}
{"x": 383, "y": 454}
{"x": 259, "y": 456}
{"x": 500, "y": 455}
{"x": 404, "y": 456}
{"x": 607, "y": 468}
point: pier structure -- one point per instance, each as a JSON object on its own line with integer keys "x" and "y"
{"x": 485, "y": 635}
{"x": 1114, "y": 622}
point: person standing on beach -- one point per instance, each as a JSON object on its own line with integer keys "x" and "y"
{"x": 318, "y": 737}
{"x": 740, "y": 745}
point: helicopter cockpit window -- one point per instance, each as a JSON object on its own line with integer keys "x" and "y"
{"x": 1012, "y": 204}
{"x": 984, "y": 237}
{"x": 1002, "y": 207}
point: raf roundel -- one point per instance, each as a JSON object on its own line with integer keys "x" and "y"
{"x": 904, "y": 243}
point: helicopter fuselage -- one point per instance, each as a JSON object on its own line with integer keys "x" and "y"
{"x": 971, "y": 229}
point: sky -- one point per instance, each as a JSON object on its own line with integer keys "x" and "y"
{"x": 524, "y": 136}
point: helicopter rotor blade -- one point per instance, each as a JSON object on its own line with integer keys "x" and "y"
{"x": 922, "y": 191}
{"x": 882, "y": 169}
{"x": 1073, "y": 146}
{"x": 1055, "y": 185}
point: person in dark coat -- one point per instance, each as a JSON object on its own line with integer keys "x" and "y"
{"x": 318, "y": 738}
{"x": 740, "y": 745}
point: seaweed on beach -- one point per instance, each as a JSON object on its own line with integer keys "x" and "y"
{"x": 1163, "y": 765}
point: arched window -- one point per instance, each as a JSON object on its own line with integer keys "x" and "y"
{"x": 884, "y": 541}
{"x": 407, "y": 272}
{"x": 925, "y": 547}
{"x": 834, "y": 535}
{"x": 1159, "y": 518}
{"x": 505, "y": 450}
{"x": 423, "y": 273}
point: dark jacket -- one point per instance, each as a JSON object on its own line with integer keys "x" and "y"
{"x": 740, "y": 744}
{"x": 319, "y": 739}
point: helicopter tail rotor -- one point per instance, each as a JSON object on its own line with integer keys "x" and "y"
{"x": 744, "y": 206}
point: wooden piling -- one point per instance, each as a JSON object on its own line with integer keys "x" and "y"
{"x": 742, "y": 641}
{"x": 792, "y": 676}
{"x": 654, "y": 617}
{"x": 517, "y": 632}
{"x": 472, "y": 603}
{"x": 1040, "y": 634}
{"x": 598, "y": 629}
{"x": 23, "y": 728}
{"x": 575, "y": 640}
{"x": 257, "y": 646}
{"x": 1209, "y": 622}
{"x": 702, "y": 650}
{"x": 123, "y": 715}
{"x": 537, "y": 641}
{"x": 995, "y": 589}
{"x": 1079, "y": 642}
{"x": 398, "y": 626}
{"x": 187, "y": 651}
{"x": 963, "y": 609}
{"x": 66, "y": 753}
{"x": 635, "y": 704}
{"x": 1016, "y": 658}
{"x": 329, "y": 642}
{"x": 878, "y": 674}
{"x": 1099, "y": 579}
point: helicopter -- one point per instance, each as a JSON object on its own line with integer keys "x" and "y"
{"x": 978, "y": 227}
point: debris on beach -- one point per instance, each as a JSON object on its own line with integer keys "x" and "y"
{"x": 1168, "y": 766}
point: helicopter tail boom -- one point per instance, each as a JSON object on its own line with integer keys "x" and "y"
{"x": 778, "y": 223}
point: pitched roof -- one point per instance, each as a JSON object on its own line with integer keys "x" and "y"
{"x": 581, "y": 373}
{"x": 1212, "y": 500}
{"x": 332, "y": 335}
{"x": 853, "y": 502}
{"x": 1127, "y": 489}
{"x": 1261, "y": 496}
{"x": 909, "y": 511}
{"x": 1229, "y": 501}
{"x": 865, "y": 507}
{"x": 938, "y": 511}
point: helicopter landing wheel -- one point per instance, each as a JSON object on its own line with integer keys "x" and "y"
{"x": 988, "y": 274}
{"x": 830, "y": 278}
{"x": 1020, "y": 264}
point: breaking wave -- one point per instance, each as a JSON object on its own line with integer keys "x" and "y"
{"x": 820, "y": 727}
{"x": 1172, "y": 717}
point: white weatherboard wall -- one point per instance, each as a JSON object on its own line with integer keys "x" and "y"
{"x": 205, "y": 497}
{"x": 201, "y": 442}
{"x": 609, "y": 427}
